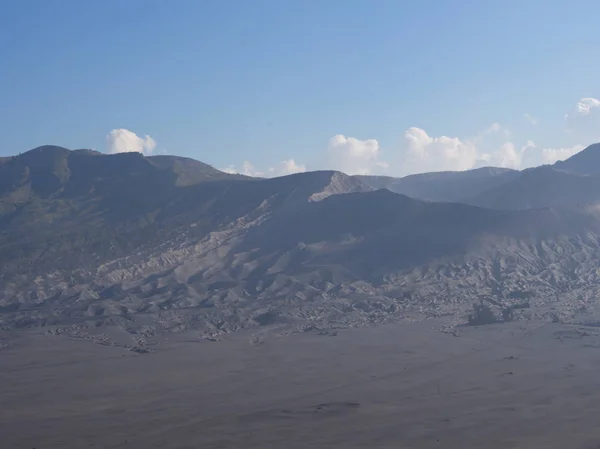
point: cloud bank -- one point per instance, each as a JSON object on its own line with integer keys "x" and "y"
{"x": 424, "y": 152}
{"x": 491, "y": 146}
{"x": 418, "y": 151}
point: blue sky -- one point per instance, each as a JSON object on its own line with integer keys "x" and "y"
{"x": 270, "y": 87}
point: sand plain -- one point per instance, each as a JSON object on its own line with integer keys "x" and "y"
{"x": 406, "y": 385}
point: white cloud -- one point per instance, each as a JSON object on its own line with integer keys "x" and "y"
{"x": 426, "y": 153}
{"x": 288, "y": 167}
{"x": 247, "y": 169}
{"x": 528, "y": 146}
{"x": 284, "y": 168}
{"x": 583, "y": 123}
{"x": 508, "y": 155}
{"x": 585, "y": 105}
{"x": 531, "y": 119}
{"x": 551, "y": 155}
{"x": 354, "y": 156}
{"x": 250, "y": 170}
{"x": 125, "y": 141}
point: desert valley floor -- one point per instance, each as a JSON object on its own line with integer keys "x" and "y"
{"x": 407, "y": 385}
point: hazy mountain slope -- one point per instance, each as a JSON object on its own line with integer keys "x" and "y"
{"x": 541, "y": 187}
{"x": 123, "y": 244}
{"x": 347, "y": 260}
{"x": 443, "y": 186}
{"x": 586, "y": 162}
{"x": 564, "y": 184}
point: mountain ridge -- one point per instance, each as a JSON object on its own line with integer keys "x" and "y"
{"x": 446, "y": 186}
{"x": 164, "y": 246}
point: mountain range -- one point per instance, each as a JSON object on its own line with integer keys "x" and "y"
{"x": 163, "y": 244}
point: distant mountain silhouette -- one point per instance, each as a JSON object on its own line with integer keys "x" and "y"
{"x": 575, "y": 181}
{"x": 443, "y": 186}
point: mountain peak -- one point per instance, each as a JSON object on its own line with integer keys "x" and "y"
{"x": 340, "y": 183}
{"x": 47, "y": 149}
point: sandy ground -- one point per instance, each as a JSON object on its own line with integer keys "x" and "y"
{"x": 515, "y": 385}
